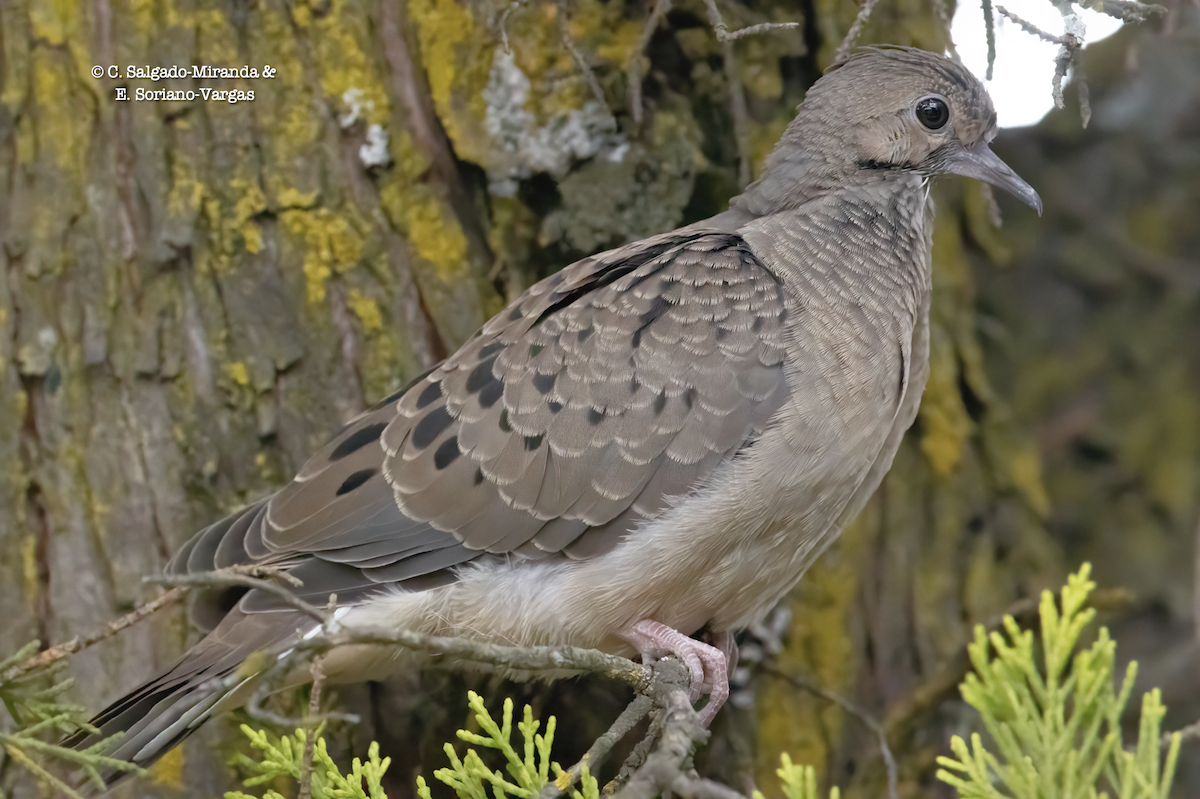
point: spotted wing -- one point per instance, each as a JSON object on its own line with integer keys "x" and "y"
{"x": 606, "y": 389}
{"x": 581, "y": 409}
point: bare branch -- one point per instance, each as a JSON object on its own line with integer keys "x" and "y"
{"x": 634, "y": 68}
{"x": 630, "y": 717}
{"x": 681, "y": 730}
{"x": 692, "y": 787}
{"x": 1188, "y": 733}
{"x": 1070, "y": 45}
{"x": 311, "y": 727}
{"x": 737, "y": 93}
{"x": 1029, "y": 27}
{"x": 80, "y": 643}
{"x": 751, "y": 30}
{"x": 989, "y": 29}
{"x": 1130, "y": 10}
{"x": 502, "y": 23}
{"x": 851, "y": 38}
{"x": 250, "y": 577}
{"x": 565, "y": 35}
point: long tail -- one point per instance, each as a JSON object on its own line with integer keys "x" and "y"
{"x": 158, "y": 715}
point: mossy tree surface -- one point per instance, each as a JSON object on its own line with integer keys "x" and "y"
{"x": 194, "y": 295}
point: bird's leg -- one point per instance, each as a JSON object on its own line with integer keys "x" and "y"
{"x": 707, "y": 665}
{"x": 727, "y": 643}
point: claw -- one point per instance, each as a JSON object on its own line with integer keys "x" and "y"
{"x": 708, "y": 666}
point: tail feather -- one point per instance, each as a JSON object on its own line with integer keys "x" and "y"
{"x": 162, "y": 712}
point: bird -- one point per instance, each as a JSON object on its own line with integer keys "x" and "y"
{"x": 646, "y": 447}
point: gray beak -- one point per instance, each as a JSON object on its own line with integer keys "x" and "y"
{"x": 981, "y": 163}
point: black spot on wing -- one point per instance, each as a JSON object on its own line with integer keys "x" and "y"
{"x": 504, "y": 423}
{"x": 481, "y": 375}
{"x": 430, "y": 427}
{"x": 490, "y": 393}
{"x": 595, "y": 416}
{"x": 432, "y": 392}
{"x": 447, "y": 453}
{"x": 490, "y": 350}
{"x": 555, "y": 407}
{"x": 354, "y": 481}
{"x": 657, "y": 308}
{"x": 357, "y": 440}
{"x": 544, "y": 382}
{"x": 533, "y": 442}
{"x": 660, "y": 402}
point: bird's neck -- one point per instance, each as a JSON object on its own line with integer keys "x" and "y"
{"x": 800, "y": 180}
{"x": 809, "y": 162}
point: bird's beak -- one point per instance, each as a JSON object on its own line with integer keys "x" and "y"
{"x": 981, "y": 163}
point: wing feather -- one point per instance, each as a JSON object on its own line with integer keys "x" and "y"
{"x": 578, "y": 412}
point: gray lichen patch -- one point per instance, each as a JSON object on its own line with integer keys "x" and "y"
{"x": 524, "y": 145}
{"x": 607, "y": 201}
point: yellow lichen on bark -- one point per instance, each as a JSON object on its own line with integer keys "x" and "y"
{"x": 341, "y": 43}
{"x": 456, "y": 52}
{"x": 818, "y": 647}
{"x": 944, "y": 421}
{"x": 330, "y": 243}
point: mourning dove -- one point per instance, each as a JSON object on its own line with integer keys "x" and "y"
{"x": 655, "y": 441}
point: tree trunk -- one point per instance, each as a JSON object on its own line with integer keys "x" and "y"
{"x": 197, "y": 293}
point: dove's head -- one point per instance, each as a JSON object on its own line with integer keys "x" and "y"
{"x": 886, "y": 111}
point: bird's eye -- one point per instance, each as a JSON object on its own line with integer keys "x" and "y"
{"x": 933, "y": 112}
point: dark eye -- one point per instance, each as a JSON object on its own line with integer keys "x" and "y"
{"x": 933, "y": 112}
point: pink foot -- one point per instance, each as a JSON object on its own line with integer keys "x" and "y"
{"x": 707, "y": 665}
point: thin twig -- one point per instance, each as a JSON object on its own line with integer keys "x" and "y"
{"x": 630, "y": 717}
{"x": 851, "y": 38}
{"x": 1188, "y": 733}
{"x": 637, "y": 755}
{"x": 1029, "y": 27}
{"x": 1130, "y": 10}
{"x": 725, "y": 35}
{"x": 634, "y": 68}
{"x": 564, "y": 34}
{"x": 250, "y": 577}
{"x": 751, "y": 30}
{"x": 869, "y": 721}
{"x": 1070, "y": 45}
{"x": 741, "y": 116}
{"x": 737, "y": 94}
{"x": 681, "y": 732}
{"x": 989, "y": 29}
{"x": 80, "y": 643}
{"x": 502, "y": 23}
{"x": 310, "y": 729}
{"x": 692, "y": 787}
{"x": 285, "y": 656}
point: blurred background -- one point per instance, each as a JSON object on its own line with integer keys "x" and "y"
{"x": 195, "y": 295}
